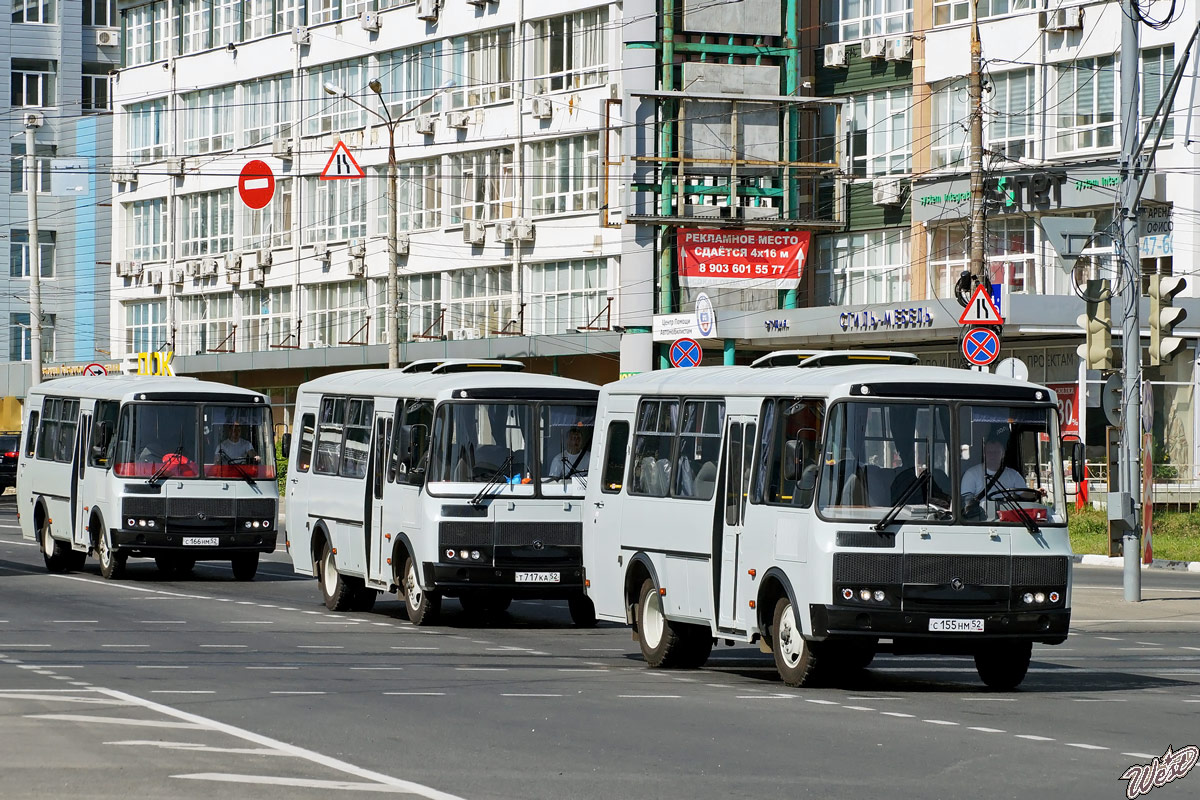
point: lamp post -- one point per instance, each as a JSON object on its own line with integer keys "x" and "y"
{"x": 393, "y": 278}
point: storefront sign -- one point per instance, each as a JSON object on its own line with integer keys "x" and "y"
{"x": 669, "y": 327}
{"x": 1155, "y": 227}
{"x": 1068, "y": 399}
{"x": 748, "y": 259}
{"x": 890, "y": 319}
{"x": 1038, "y": 191}
{"x": 65, "y": 370}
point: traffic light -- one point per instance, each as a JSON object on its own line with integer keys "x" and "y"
{"x": 1164, "y": 318}
{"x": 1097, "y": 351}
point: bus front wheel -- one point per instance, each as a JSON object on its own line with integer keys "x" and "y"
{"x": 423, "y": 607}
{"x": 1003, "y": 666}
{"x": 794, "y": 657}
{"x": 112, "y": 563}
{"x": 245, "y": 566}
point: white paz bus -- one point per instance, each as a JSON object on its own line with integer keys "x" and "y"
{"x": 444, "y": 479}
{"x": 169, "y": 468}
{"x": 828, "y": 506}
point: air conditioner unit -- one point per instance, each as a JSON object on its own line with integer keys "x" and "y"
{"x": 208, "y": 267}
{"x": 478, "y": 3}
{"x": 123, "y": 175}
{"x": 885, "y": 192}
{"x": 281, "y": 148}
{"x": 835, "y": 54}
{"x": 358, "y": 249}
{"x": 33, "y": 119}
{"x": 369, "y": 20}
{"x": 300, "y": 36}
{"x": 108, "y": 38}
{"x": 233, "y": 270}
{"x": 256, "y": 276}
{"x": 174, "y": 166}
{"x": 155, "y": 277}
{"x": 523, "y": 230}
{"x": 121, "y": 269}
{"x": 542, "y": 108}
{"x": 458, "y": 119}
{"x": 402, "y": 244}
{"x": 462, "y": 334}
{"x": 428, "y": 10}
{"x": 321, "y": 251}
{"x": 177, "y": 275}
{"x": 424, "y": 124}
{"x": 1064, "y": 19}
{"x": 899, "y": 48}
{"x": 504, "y": 230}
{"x": 474, "y": 232}
{"x": 135, "y": 268}
{"x": 192, "y": 269}
{"x": 875, "y": 47}
{"x": 358, "y": 266}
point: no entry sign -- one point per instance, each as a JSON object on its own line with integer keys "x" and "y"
{"x": 256, "y": 184}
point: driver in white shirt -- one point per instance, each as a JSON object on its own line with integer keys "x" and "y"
{"x": 236, "y": 450}
{"x": 984, "y": 474}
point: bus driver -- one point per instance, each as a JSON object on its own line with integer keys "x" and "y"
{"x": 990, "y": 475}
{"x": 236, "y": 450}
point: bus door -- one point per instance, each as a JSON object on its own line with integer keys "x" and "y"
{"x": 79, "y": 508}
{"x": 373, "y": 529}
{"x": 300, "y": 485}
{"x": 739, "y": 455}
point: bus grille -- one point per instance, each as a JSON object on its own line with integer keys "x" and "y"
{"x": 973, "y": 570}
{"x": 867, "y": 568}
{"x": 920, "y": 568}
{"x": 1040, "y": 570}
{"x": 256, "y": 508}
{"x": 460, "y": 533}
{"x": 211, "y": 507}
{"x": 143, "y": 507}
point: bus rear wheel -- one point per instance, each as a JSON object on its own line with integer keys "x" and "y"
{"x": 1003, "y": 666}
{"x": 112, "y": 563}
{"x": 794, "y": 656}
{"x": 56, "y": 554}
{"x": 664, "y": 643}
{"x": 245, "y": 566}
{"x": 423, "y": 607}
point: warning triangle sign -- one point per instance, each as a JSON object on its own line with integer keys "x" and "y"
{"x": 341, "y": 165}
{"x": 980, "y": 310}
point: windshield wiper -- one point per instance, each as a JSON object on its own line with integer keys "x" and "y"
{"x": 1022, "y": 512}
{"x": 169, "y": 461}
{"x": 492, "y": 481}
{"x": 245, "y": 475}
{"x": 922, "y": 477}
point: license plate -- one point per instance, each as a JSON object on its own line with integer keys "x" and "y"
{"x": 537, "y": 577}
{"x": 956, "y": 625}
{"x": 201, "y": 541}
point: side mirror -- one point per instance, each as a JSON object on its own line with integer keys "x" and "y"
{"x": 1078, "y": 463}
{"x": 285, "y": 444}
{"x": 404, "y": 444}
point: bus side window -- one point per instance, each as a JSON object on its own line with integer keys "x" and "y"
{"x": 699, "y": 448}
{"x": 656, "y": 423}
{"x": 31, "y": 434}
{"x": 358, "y": 438}
{"x": 304, "y": 456}
{"x": 48, "y": 434}
{"x": 614, "y": 457}
{"x": 398, "y": 440}
{"x": 418, "y": 418}
{"x": 329, "y": 436}
{"x": 68, "y": 422}
{"x": 104, "y": 428}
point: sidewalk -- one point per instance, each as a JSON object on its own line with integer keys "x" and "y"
{"x": 1093, "y": 560}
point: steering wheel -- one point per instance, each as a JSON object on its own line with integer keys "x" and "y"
{"x": 1019, "y": 495}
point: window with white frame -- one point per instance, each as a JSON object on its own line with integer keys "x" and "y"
{"x": 1158, "y": 64}
{"x": 570, "y": 52}
{"x": 948, "y": 138}
{"x": 195, "y": 23}
{"x": 947, "y": 257}
{"x": 881, "y": 133}
{"x": 20, "y": 337}
{"x": 410, "y": 75}
{"x": 208, "y": 120}
{"x": 33, "y": 11}
{"x": 421, "y": 306}
{"x": 337, "y": 210}
{"x": 33, "y": 83}
{"x": 145, "y": 33}
{"x": 266, "y": 109}
{"x": 322, "y": 11}
{"x": 325, "y": 113}
{"x": 566, "y": 174}
{"x": 205, "y": 323}
{"x": 481, "y": 301}
{"x": 865, "y": 267}
{"x": 857, "y": 19}
{"x": 227, "y": 21}
{"x": 1012, "y": 253}
{"x": 481, "y": 65}
{"x": 20, "y": 259}
{"x": 266, "y": 318}
{"x": 418, "y": 196}
{"x": 101, "y": 13}
{"x": 948, "y": 12}
{"x": 339, "y": 312}
{"x": 260, "y": 18}
{"x": 482, "y": 185}
{"x": 565, "y": 295}
{"x": 95, "y": 94}
{"x": 270, "y": 226}
{"x": 207, "y": 222}
{"x": 145, "y": 325}
{"x": 146, "y": 130}
{"x": 45, "y": 154}
{"x": 1012, "y": 110}
{"x": 1086, "y": 105}
{"x": 146, "y": 230}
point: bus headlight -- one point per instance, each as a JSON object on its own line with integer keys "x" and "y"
{"x": 1039, "y": 597}
{"x": 879, "y": 595}
{"x": 463, "y": 553}
{"x": 1027, "y": 598}
{"x": 865, "y": 594}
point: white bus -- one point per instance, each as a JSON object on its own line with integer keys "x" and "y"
{"x": 828, "y": 509}
{"x": 445, "y": 479}
{"x": 173, "y": 469}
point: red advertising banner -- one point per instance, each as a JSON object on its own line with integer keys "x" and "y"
{"x": 1068, "y": 398}
{"x": 761, "y": 259}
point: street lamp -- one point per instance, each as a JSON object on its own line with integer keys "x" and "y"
{"x": 393, "y": 280}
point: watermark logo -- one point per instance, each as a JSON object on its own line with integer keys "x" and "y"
{"x": 1160, "y": 771}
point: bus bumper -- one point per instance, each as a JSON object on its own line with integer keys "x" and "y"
{"x": 1048, "y": 626}
{"x": 453, "y": 579}
{"x": 143, "y": 543}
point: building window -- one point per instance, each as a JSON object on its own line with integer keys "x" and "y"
{"x": 422, "y": 307}
{"x": 948, "y": 12}
{"x": 1084, "y": 92}
{"x": 861, "y": 18}
{"x": 270, "y": 226}
{"x": 265, "y": 17}
{"x": 227, "y": 21}
{"x": 20, "y": 338}
{"x": 566, "y": 174}
{"x": 564, "y": 295}
{"x": 858, "y": 268}
{"x": 195, "y": 22}
{"x": 481, "y": 301}
{"x": 266, "y": 109}
{"x": 147, "y": 231}
{"x": 482, "y": 65}
{"x": 881, "y": 133}
{"x": 208, "y": 121}
{"x": 948, "y": 139}
{"x": 145, "y": 130}
{"x": 570, "y": 52}
{"x": 145, "y": 33}
{"x": 337, "y": 211}
{"x": 338, "y": 312}
{"x": 482, "y": 185}
{"x": 145, "y": 326}
{"x": 205, "y": 323}
{"x": 17, "y": 165}
{"x": 33, "y": 83}
{"x": 20, "y": 259}
{"x": 1158, "y": 64}
{"x": 33, "y": 11}
{"x": 323, "y": 11}
{"x": 418, "y": 196}
{"x": 410, "y": 75}
{"x": 266, "y": 318}
{"x": 1012, "y": 253}
{"x": 325, "y": 114}
{"x": 100, "y": 13}
{"x": 95, "y": 88}
{"x": 947, "y": 257}
{"x": 207, "y": 221}
{"x": 1013, "y": 107}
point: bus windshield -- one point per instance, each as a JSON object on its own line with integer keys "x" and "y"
{"x": 189, "y": 440}
{"x": 1010, "y": 465}
{"x": 565, "y": 447}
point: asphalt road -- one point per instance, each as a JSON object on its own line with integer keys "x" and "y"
{"x": 190, "y": 688}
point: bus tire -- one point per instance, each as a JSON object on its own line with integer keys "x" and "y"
{"x": 583, "y": 611}
{"x": 56, "y": 554}
{"x": 1003, "y": 666}
{"x": 697, "y": 647}
{"x": 337, "y": 593}
{"x": 658, "y": 637}
{"x": 364, "y": 599}
{"x": 844, "y": 657}
{"x": 794, "y": 656}
{"x": 245, "y": 566}
{"x": 112, "y": 563}
{"x": 423, "y": 607}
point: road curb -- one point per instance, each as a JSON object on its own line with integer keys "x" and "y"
{"x": 1119, "y": 563}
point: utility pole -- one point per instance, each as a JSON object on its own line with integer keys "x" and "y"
{"x": 975, "y": 101}
{"x": 32, "y": 123}
{"x": 1129, "y": 499}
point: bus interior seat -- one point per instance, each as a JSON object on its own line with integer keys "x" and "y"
{"x": 489, "y": 457}
{"x": 877, "y": 485}
{"x": 643, "y": 475}
{"x": 662, "y": 477}
{"x": 705, "y": 480}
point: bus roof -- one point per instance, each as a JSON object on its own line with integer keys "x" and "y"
{"x": 129, "y": 387}
{"x": 396, "y": 383}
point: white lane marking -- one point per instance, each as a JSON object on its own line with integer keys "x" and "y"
{"x": 1141, "y": 649}
{"x": 1186, "y": 647}
{"x": 517, "y": 694}
{"x": 1033, "y": 738}
{"x": 1142, "y": 755}
{"x": 481, "y": 669}
{"x": 939, "y": 722}
{"x": 241, "y": 751}
{"x": 986, "y": 730}
{"x": 7, "y": 644}
{"x": 896, "y": 714}
{"x": 1151, "y": 644}
{"x": 61, "y": 677}
{"x": 1097, "y": 699}
{"x": 272, "y": 668}
{"x": 229, "y": 646}
{"x": 182, "y": 691}
{"x": 861, "y": 708}
{"x": 580, "y": 669}
{"x": 821, "y": 702}
{"x": 376, "y": 669}
{"x": 1085, "y": 746}
{"x": 61, "y": 698}
{"x": 130, "y": 587}
{"x": 36, "y": 691}
{"x": 249, "y": 622}
{"x": 163, "y": 621}
{"x": 510, "y": 649}
{"x": 415, "y": 694}
{"x": 414, "y": 648}
{"x": 602, "y": 649}
{"x": 759, "y": 696}
{"x": 306, "y": 783}
{"x": 124, "y": 645}
{"x": 320, "y": 647}
{"x": 75, "y": 621}
{"x": 339, "y": 622}
{"x": 55, "y": 666}
{"x": 1110, "y": 639}
{"x": 299, "y": 752}
{"x": 649, "y": 696}
{"x": 161, "y": 666}
{"x": 146, "y": 723}
{"x": 297, "y": 693}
